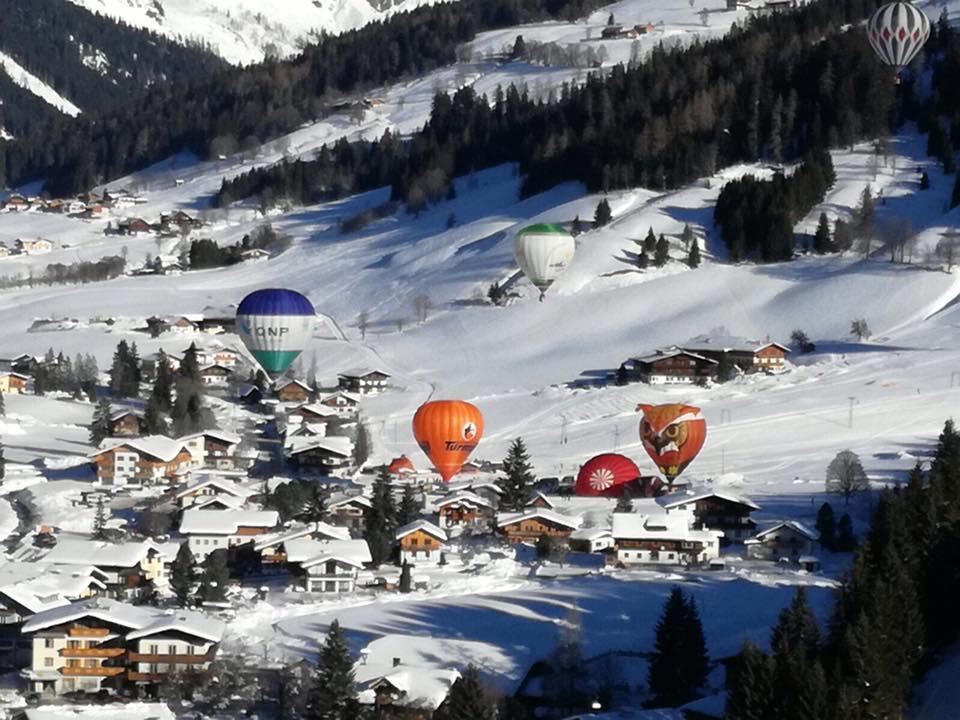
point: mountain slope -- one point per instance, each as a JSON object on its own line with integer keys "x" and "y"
{"x": 247, "y": 31}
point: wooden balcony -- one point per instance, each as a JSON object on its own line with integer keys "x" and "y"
{"x": 93, "y": 672}
{"x": 146, "y": 677}
{"x": 170, "y": 659}
{"x": 80, "y": 631}
{"x": 110, "y": 652}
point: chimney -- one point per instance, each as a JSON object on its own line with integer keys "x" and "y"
{"x": 396, "y": 661}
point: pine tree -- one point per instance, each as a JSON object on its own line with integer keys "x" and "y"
{"x": 3, "y": 406}
{"x": 3, "y": 463}
{"x": 643, "y": 260}
{"x": 467, "y": 699}
{"x": 842, "y": 235}
{"x": 826, "y": 525}
{"x": 215, "y": 577}
{"x": 603, "y": 214}
{"x": 119, "y": 369}
{"x": 100, "y": 426}
{"x": 409, "y": 509}
{"x": 687, "y": 237}
{"x": 577, "y": 227}
{"x": 821, "y": 240}
{"x": 799, "y": 685}
{"x": 154, "y": 421}
{"x": 381, "y": 520}
{"x": 517, "y": 478}
{"x": 680, "y": 664}
{"x": 163, "y": 384}
{"x": 650, "y": 242}
{"x": 693, "y": 259}
{"x": 519, "y": 48}
{"x": 406, "y": 582}
{"x": 183, "y": 574}
{"x": 925, "y": 182}
{"x": 334, "y": 695}
{"x": 361, "y": 444}
{"x": 845, "y": 540}
{"x": 750, "y": 694}
{"x": 100, "y": 520}
{"x": 662, "y": 255}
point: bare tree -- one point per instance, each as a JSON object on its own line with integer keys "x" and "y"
{"x": 422, "y": 307}
{"x": 363, "y": 322}
{"x": 947, "y": 248}
{"x": 860, "y": 328}
{"x": 897, "y": 234}
{"x": 845, "y": 475}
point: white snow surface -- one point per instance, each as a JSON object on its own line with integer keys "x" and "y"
{"x": 27, "y": 80}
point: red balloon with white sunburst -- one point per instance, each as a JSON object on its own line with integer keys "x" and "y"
{"x": 603, "y": 475}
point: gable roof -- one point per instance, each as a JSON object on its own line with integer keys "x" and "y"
{"x": 337, "y": 501}
{"x": 81, "y": 551}
{"x": 225, "y": 522}
{"x": 541, "y": 514}
{"x": 540, "y": 496}
{"x": 728, "y": 496}
{"x": 464, "y": 497}
{"x": 659, "y": 526}
{"x": 332, "y": 532}
{"x": 423, "y": 525}
{"x": 316, "y": 409}
{"x": 730, "y": 343}
{"x": 288, "y": 383}
{"x": 123, "y": 413}
{"x": 157, "y": 446}
{"x": 666, "y": 353}
{"x": 228, "y": 486}
{"x": 340, "y": 393}
{"x": 313, "y": 552}
{"x": 794, "y": 525}
{"x": 361, "y": 372}
{"x": 222, "y": 435}
{"x": 336, "y": 445}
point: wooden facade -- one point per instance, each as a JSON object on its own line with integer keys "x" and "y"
{"x": 419, "y": 540}
{"x": 531, "y": 529}
{"x": 126, "y": 425}
{"x": 294, "y": 391}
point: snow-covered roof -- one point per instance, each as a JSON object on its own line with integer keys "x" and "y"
{"x": 663, "y": 526}
{"x": 314, "y": 552}
{"x": 225, "y": 522}
{"x": 730, "y": 343}
{"x": 544, "y": 514}
{"x": 590, "y": 533}
{"x": 81, "y": 551}
{"x": 39, "y": 586}
{"x": 361, "y": 372}
{"x": 665, "y": 353}
{"x": 123, "y": 413}
{"x": 464, "y": 497}
{"x": 221, "y": 435}
{"x": 424, "y": 525}
{"x": 216, "y": 366}
{"x": 728, "y": 496}
{"x": 158, "y": 446}
{"x": 336, "y": 501}
{"x": 228, "y": 486}
{"x": 126, "y": 711}
{"x": 422, "y": 674}
{"x": 541, "y": 497}
{"x": 299, "y": 383}
{"x": 332, "y": 532}
{"x": 226, "y": 502}
{"x": 794, "y": 525}
{"x": 337, "y": 445}
{"x": 316, "y": 409}
{"x": 341, "y": 393}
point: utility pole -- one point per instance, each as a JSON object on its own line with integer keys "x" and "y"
{"x": 563, "y": 429}
{"x": 616, "y": 437}
{"x": 850, "y": 412}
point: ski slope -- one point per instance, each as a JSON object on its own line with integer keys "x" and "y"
{"x": 27, "y": 80}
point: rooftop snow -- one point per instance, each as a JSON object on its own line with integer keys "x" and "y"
{"x": 225, "y": 522}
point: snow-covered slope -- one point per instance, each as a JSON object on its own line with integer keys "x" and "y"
{"x": 243, "y": 31}
{"x": 27, "y": 80}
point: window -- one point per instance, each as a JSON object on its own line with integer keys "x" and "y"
{"x": 154, "y": 649}
{"x": 414, "y": 542}
{"x": 74, "y": 644}
{"x": 48, "y": 643}
{"x": 92, "y": 663}
{"x": 48, "y": 662}
{"x": 73, "y": 663}
{"x": 171, "y": 649}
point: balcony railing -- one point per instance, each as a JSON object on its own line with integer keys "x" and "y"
{"x": 80, "y": 631}
{"x": 92, "y": 652}
{"x": 93, "y": 672}
{"x": 170, "y": 659}
{"x": 146, "y": 677}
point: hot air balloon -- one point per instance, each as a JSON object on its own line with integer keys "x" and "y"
{"x": 275, "y": 324}
{"x": 897, "y": 31}
{"x": 447, "y": 431}
{"x": 543, "y": 253}
{"x": 672, "y": 435}
{"x": 606, "y": 475}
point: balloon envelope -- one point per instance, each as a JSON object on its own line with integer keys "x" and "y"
{"x": 275, "y": 325}
{"x": 448, "y": 431}
{"x": 543, "y": 252}
{"x": 672, "y": 435}
{"x": 605, "y": 475}
{"x": 897, "y": 31}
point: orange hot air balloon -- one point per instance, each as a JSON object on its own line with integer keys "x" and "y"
{"x": 447, "y": 431}
{"x": 672, "y": 435}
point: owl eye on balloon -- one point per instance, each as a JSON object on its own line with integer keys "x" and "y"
{"x": 672, "y": 435}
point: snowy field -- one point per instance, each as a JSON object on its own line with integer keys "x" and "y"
{"x": 532, "y": 367}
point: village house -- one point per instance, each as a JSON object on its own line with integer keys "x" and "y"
{"x": 320, "y": 454}
{"x": 224, "y": 356}
{"x": 747, "y": 355}
{"x": 15, "y": 203}
{"x": 129, "y": 569}
{"x": 14, "y": 382}
{"x": 720, "y": 511}
{"x": 250, "y": 395}
{"x": 303, "y": 430}
{"x": 350, "y": 511}
{"x": 531, "y": 524}
{"x": 363, "y": 382}
{"x": 401, "y": 466}
{"x": 95, "y": 211}
{"x": 100, "y": 643}
{"x": 539, "y": 501}
{"x": 788, "y": 540}
{"x": 294, "y": 391}
{"x": 142, "y": 461}
{"x": 183, "y": 324}
{"x": 133, "y": 226}
{"x": 148, "y": 365}
{"x": 254, "y": 254}
{"x": 403, "y": 687}
{"x": 651, "y": 535}
{"x": 36, "y": 246}
{"x": 126, "y": 423}
{"x": 420, "y": 542}
{"x": 217, "y": 450}
{"x": 4, "y": 250}
{"x": 343, "y": 403}
{"x": 213, "y": 487}
{"x": 669, "y": 367}
{"x": 215, "y": 375}
{"x": 311, "y": 412}
{"x": 72, "y": 207}
{"x": 463, "y": 510}
{"x": 488, "y": 490}
{"x": 209, "y": 530}
{"x": 323, "y": 557}
{"x": 27, "y": 588}
{"x": 591, "y": 540}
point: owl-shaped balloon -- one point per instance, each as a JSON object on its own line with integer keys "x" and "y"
{"x": 672, "y": 435}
